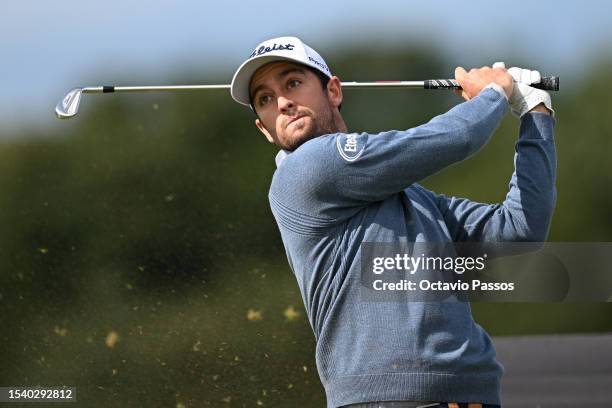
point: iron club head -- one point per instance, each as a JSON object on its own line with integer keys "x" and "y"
{"x": 69, "y": 105}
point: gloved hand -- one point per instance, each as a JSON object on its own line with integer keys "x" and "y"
{"x": 524, "y": 97}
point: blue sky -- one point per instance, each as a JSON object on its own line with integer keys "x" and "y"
{"x": 48, "y": 47}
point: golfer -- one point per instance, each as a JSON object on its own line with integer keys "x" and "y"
{"x": 334, "y": 190}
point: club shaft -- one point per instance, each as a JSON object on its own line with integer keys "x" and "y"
{"x": 353, "y": 85}
{"x": 548, "y": 83}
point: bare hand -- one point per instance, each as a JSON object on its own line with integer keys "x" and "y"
{"x": 474, "y": 81}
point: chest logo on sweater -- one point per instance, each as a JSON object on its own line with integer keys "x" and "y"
{"x": 350, "y": 146}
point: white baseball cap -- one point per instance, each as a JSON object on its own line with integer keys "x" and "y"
{"x": 275, "y": 49}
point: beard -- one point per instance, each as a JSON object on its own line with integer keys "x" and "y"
{"x": 322, "y": 125}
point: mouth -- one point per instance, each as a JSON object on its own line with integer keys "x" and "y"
{"x": 295, "y": 119}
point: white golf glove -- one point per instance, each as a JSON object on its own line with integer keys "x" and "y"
{"x": 524, "y": 97}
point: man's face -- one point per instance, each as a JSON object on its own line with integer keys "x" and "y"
{"x": 292, "y": 105}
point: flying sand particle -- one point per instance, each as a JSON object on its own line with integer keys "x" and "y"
{"x": 111, "y": 339}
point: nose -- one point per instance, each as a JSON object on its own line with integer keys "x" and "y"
{"x": 285, "y": 104}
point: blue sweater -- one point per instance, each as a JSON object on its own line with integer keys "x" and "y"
{"x": 339, "y": 190}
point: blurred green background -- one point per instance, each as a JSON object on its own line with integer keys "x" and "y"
{"x": 141, "y": 263}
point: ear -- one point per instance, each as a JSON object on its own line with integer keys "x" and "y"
{"x": 263, "y": 130}
{"x": 334, "y": 91}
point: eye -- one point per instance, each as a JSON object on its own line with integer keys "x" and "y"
{"x": 264, "y": 99}
{"x": 292, "y": 83}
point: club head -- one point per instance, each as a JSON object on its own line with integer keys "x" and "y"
{"x": 69, "y": 105}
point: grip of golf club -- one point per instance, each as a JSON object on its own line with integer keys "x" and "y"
{"x": 441, "y": 84}
{"x": 547, "y": 83}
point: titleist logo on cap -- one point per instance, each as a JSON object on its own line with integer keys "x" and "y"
{"x": 263, "y": 49}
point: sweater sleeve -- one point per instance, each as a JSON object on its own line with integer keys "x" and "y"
{"x": 329, "y": 178}
{"x": 526, "y": 213}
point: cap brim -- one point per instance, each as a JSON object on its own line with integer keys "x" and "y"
{"x": 242, "y": 77}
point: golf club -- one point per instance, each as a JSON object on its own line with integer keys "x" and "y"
{"x": 69, "y": 105}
